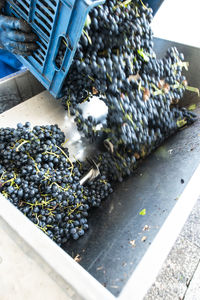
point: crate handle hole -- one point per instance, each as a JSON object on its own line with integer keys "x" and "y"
{"x": 62, "y": 47}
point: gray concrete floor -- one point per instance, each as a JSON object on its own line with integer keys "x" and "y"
{"x": 179, "y": 277}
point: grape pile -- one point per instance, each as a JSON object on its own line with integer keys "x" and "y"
{"x": 38, "y": 177}
{"x": 115, "y": 61}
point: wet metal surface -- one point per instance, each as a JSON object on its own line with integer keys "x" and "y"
{"x": 119, "y": 235}
{"x": 16, "y": 88}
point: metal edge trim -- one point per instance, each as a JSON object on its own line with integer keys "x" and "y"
{"x": 14, "y": 75}
{"x": 86, "y": 286}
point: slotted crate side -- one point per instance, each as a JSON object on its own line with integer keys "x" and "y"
{"x": 22, "y": 7}
{"x": 58, "y": 27}
{"x": 52, "y": 20}
{"x": 42, "y": 16}
{"x": 36, "y": 18}
{"x": 72, "y": 36}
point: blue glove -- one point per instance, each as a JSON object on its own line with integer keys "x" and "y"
{"x": 16, "y": 35}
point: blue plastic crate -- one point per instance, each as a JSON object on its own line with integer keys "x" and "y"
{"x": 52, "y": 20}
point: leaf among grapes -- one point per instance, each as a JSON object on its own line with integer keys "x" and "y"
{"x": 192, "y": 107}
{"x": 143, "y": 212}
{"x": 193, "y": 89}
{"x": 181, "y": 123}
{"x": 143, "y": 55}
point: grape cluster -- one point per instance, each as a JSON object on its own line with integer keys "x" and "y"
{"x": 115, "y": 60}
{"x": 38, "y": 177}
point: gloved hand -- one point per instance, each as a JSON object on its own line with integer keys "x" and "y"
{"x": 16, "y": 35}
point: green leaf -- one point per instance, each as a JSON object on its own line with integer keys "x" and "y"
{"x": 129, "y": 118}
{"x": 157, "y": 90}
{"x": 192, "y": 107}
{"x": 143, "y": 55}
{"x": 156, "y": 93}
{"x": 143, "y": 212}
{"x": 155, "y": 87}
{"x": 181, "y": 123}
{"x": 177, "y": 86}
{"x": 125, "y": 4}
{"x": 193, "y": 89}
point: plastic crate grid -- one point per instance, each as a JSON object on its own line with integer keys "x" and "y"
{"x": 54, "y": 21}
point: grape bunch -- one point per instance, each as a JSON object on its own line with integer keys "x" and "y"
{"x": 38, "y": 177}
{"x": 115, "y": 61}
